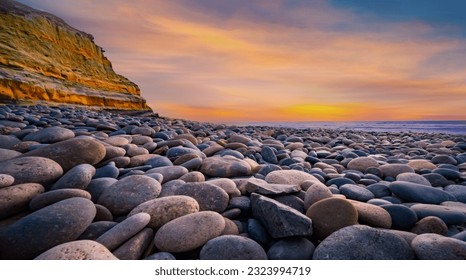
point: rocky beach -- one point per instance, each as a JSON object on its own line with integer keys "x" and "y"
{"x": 77, "y": 183}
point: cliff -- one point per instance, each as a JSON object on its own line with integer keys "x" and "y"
{"x": 43, "y": 58}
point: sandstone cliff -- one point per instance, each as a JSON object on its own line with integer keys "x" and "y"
{"x": 43, "y": 58}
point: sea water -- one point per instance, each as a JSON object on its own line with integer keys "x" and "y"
{"x": 449, "y": 127}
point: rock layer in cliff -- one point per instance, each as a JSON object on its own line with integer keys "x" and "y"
{"x": 43, "y": 58}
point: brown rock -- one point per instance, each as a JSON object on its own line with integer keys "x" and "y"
{"x": 331, "y": 214}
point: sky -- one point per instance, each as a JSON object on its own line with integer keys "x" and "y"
{"x": 284, "y": 60}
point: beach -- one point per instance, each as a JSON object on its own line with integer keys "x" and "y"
{"x": 77, "y": 183}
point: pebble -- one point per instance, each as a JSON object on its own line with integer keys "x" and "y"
{"x": 362, "y": 163}
{"x": 169, "y": 173}
{"x": 135, "y": 247}
{"x": 164, "y": 209}
{"x": 77, "y": 250}
{"x": 449, "y": 215}
{"x": 331, "y": 214}
{"x": 121, "y": 232}
{"x": 32, "y": 170}
{"x": 254, "y": 185}
{"x": 16, "y": 198}
{"x": 71, "y": 152}
{"x": 279, "y": 220}
{"x": 161, "y": 256}
{"x": 189, "y": 232}
{"x": 366, "y": 244}
{"x": 291, "y": 248}
{"x": 77, "y": 177}
{"x": 6, "y": 180}
{"x": 395, "y": 169}
{"x": 121, "y": 197}
{"x": 289, "y": 171}
{"x": 96, "y": 229}
{"x": 356, "y": 192}
{"x": 403, "y": 217}
{"x": 412, "y": 192}
{"x": 431, "y": 246}
{"x": 225, "y": 167}
{"x": 208, "y": 196}
{"x": 289, "y": 177}
{"x": 50, "y": 135}
{"x": 45, "y": 199}
{"x": 32, "y": 234}
{"x": 316, "y": 192}
{"x": 430, "y": 224}
{"x": 232, "y": 247}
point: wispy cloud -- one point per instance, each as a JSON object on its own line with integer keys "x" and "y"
{"x": 276, "y": 60}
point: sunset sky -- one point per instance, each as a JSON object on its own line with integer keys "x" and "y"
{"x": 315, "y": 60}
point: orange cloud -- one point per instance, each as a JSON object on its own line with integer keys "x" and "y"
{"x": 291, "y": 66}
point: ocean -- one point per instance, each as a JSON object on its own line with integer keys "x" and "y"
{"x": 449, "y": 127}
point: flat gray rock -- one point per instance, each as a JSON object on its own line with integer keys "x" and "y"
{"x": 77, "y": 177}
{"x": 50, "y": 135}
{"x": 279, "y": 220}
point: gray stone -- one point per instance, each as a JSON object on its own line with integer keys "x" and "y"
{"x": 96, "y": 229}
{"x": 189, "y": 232}
{"x": 8, "y": 141}
{"x": 292, "y": 201}
{"x": 208, "y": 196}
{"x": 50, "y": 135}
{"x": 356, "y": 192}
{"x": 51, "y": 197}
{"x": 289, "y": 177}
{"x": 77, "y": 177}
{"x": 413, "y": 178}
{"x": 412, "y": 192}
{"x": 32, "y": 170}
{"x": 98, "y": 185}
{"x": 164, "y": 209}
{"x": 393, "y": 170}
{"x": 121, "y": 197}
{"x": 436, "y": 247}
{"x": 6, "y": 154}
{"x": 269, "y": 155}
{"x": 254, "y": 185}
{"x": 32, "y": 235}
{"x": 225, "y": 167}
{"x": 279, "y": 220}
{"x": 458, "y": 191}
{"x": 362, "y": 163}
{"x": 257, "y": 232}
{"x": 169, "y": 173}
{"x": 292, "y": 248}
{"x": 72, "y": 152}
{"x": 77, "y": 250}
{"x": 331, "y": 214}
{"x": 430, "y": 224}
{"x": 6, "y": 180}
{"x": 315, "y": 193}
{"x": 449, "y": 215}
{"x": 16, "y": 198}
{"x": 232, "y": 247}
{"x": 403, "y": 218}
{"x": 118, "y": 234}
{"x": 107, "y": 171}
{"x": 359, "y": 242}
{"x": 135, "y": 247}
{"x": 161, "y": 256}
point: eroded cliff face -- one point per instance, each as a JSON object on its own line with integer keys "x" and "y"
{"x": 43, "y": 58}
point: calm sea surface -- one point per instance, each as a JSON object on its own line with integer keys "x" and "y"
{"x": 450, "y": 127}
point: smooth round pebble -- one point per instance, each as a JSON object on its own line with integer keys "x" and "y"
{"x": 232, "y": 247}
